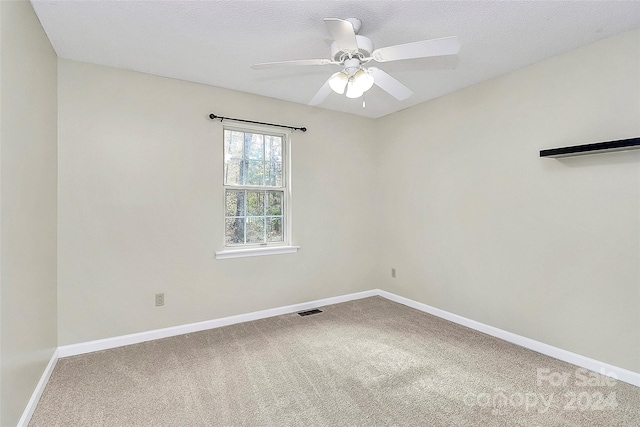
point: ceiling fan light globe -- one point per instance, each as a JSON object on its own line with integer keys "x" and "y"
{"x": 338, "y": 82}
{"x": 363, "y": 81}
{"x": 353, "y": 91}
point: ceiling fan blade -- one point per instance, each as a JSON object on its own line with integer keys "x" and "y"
{"x": 322, "y": 94}
{"x": 343, "y": 33}
{"x": 292, "y": 63}
{"x": 421, "y": 49}
{"x": 390, "y": 85}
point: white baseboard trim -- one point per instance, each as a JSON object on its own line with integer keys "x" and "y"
{"x": 107, "y": 343}
{"x": 37, "y": 393}
{"x": 546, "y": 349}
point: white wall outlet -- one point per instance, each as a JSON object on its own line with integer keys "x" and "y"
{"x": 159, "y": 300}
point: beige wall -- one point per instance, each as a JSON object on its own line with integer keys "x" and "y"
{"x": 140, "y": 205}
{"x": 478, "y": 225}
{"x": 28, "y": 170}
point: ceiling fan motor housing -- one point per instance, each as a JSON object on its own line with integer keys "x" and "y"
{"x": 365, "y": 47}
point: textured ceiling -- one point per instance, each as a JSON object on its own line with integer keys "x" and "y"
{"x": 216, "y": 42}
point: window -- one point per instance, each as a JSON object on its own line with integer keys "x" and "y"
{"x": 255, "y": 188}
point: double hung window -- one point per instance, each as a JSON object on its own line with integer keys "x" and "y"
{"x": 255, "y": 188}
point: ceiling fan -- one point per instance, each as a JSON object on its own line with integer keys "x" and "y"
{"x": 353, "y": 51}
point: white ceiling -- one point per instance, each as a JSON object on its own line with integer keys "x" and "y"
{"x": 216, "y": 42}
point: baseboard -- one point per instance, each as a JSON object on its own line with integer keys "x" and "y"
{"x": 107, "y": 343}
{"x": 546, "y": 349}
{"x": 37, "y": 393}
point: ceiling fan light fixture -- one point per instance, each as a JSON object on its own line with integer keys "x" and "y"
{"x": 352, "y": 90}
{"x": 338, "y": 82}
{"x": 362, "y": 80}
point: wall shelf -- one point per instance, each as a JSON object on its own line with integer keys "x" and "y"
{"x": 599, "y": 147}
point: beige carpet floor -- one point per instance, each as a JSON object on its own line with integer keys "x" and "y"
{"x": 370, "y": 362}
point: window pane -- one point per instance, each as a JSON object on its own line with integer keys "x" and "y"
{"x": 269, "y": 178}
{"x": 254, "y": 146}
{"x": 234, "y": 230}
{"x": 233, "y": 144}
{"x": 232, "y": 172}
{"x": 235, "y": 203}
{"x": 255, "y": 173}
{"x": 267, "y": 147}
{"x": 273, "y": 175}
{"x": 255, "y": 203}
{"x": 273, "y": 148}
{"x": 274, "y": 203}
{"x": 255, "y": 230}
{"x": 273, "y": 157}
{"x": 274, "y": 230}
{"x": 233, "y": 152}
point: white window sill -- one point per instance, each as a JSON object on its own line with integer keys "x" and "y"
{"x": 242, "y": 253}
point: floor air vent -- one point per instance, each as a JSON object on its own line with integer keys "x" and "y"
{"x": 310, "y": 312}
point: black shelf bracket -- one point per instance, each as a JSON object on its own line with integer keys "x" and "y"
{"x": 599, "y": 147}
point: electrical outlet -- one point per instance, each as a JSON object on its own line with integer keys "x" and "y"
{"x": 159, "y": 300}
{"x": 393, "y": 273}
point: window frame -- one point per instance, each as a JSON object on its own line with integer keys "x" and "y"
{"x": 264, "y": 248}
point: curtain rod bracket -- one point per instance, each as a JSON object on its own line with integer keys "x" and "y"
{"x": 213, "y": 117}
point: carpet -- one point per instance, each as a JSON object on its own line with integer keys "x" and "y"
{"x": 367, "y": 362}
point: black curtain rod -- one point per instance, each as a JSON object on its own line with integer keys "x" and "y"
{"x": 213, "y": 117}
